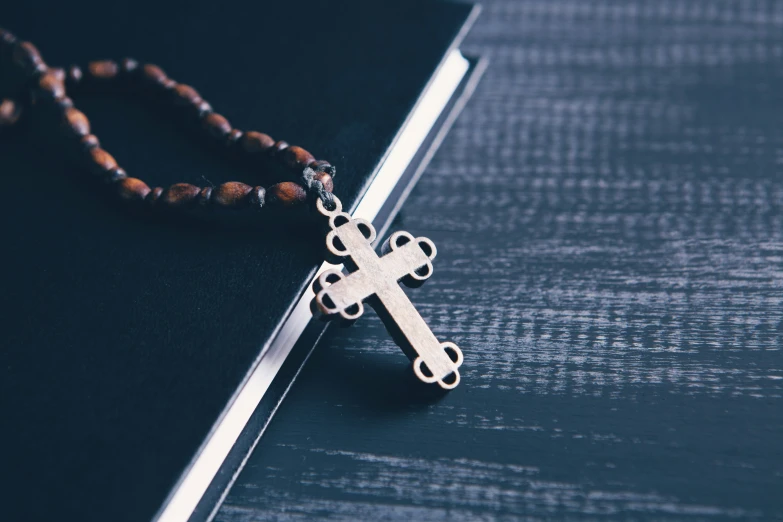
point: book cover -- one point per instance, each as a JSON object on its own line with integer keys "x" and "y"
{"x": 126, "y": 336}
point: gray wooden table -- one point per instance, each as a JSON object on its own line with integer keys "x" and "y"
{"x": 608, "y": 214}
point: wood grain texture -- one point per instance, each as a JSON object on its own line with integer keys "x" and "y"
{"x": 608, "y": 212}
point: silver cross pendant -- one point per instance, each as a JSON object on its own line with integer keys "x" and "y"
{"x": 374, "y": 280}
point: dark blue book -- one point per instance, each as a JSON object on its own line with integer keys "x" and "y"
{"x": 141, "y": 357}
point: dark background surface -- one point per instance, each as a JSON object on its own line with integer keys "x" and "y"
{"x": 607, "y": 213}
{"x": 123, "y": 336}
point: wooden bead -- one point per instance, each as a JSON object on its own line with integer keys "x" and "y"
{"x": 180, "y": 195}
{"x": 50, "y": 85}
{"x": 257, "y": 197}
{"x": 102, "y": 161}
{"x": 103, "y": 69}
{"x": 26, "y": 56}
{"x": 76, "y": 122}
{"x": 216, "y": 125}
{"x": 132, "y": 189}
{"x": 326, "y": 180}
{"x": 287, "y": 194}
{"x": 186, "y": 95}
{"x": 90, "y": 141}
{"x": 10, "y": 112}
{"x": 296, "y": 158}
{"x": 231, "y": 194}
{"x": 253, "y": 142}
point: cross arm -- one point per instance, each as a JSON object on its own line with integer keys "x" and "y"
{"x": 405, "y": 260}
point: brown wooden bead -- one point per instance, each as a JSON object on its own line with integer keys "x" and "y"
{"x": 326, "y": 179}
{"x": 76, "y": 122}
{"x": 154, "y": 196}
{"x": 186, "y": 95}
{"x": 257, "y": 197}
{"x": 231, "y": 194}
{"x": 26, "y": 56}
{"x": 180, "y": 195}
{"x": 10, "y": 112}
{"x": 102, "y": 161}
{"x": 103, "y": 69}
{"x": 51, "y": 85}
{"x": 205, "y": 195}
{"x": 154, "y": 74}
{"x": 216, "y": 125}
{"x": 296, "y": 158}
{"x": 132, "y": 189}
{"x": 253, "y": 142}
{"x": 287, "y": 194}
{"x": 90, "y": 141}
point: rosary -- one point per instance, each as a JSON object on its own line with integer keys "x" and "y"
{"x": 370, "y": 279}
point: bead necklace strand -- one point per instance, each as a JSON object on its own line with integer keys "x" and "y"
{"x": 37, "y": 84}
